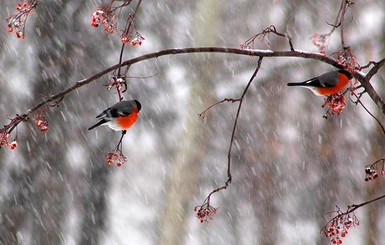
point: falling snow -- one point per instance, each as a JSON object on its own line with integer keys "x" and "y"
{"x": 290, "y": 166}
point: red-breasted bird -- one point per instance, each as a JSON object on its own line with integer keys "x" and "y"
{"x": 120, "y": 116}
{"x": 327, "y": 84}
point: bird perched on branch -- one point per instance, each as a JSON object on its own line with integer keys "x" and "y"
{"x": 120, "y": 116}
{"x": 326, "y": 84}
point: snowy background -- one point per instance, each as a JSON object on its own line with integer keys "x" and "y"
{"x": 290, "y": 166}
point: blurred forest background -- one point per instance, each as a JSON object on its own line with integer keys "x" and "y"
{"x": 290, "y": 166}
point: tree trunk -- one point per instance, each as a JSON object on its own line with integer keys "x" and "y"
{"x": 188, "y": 161}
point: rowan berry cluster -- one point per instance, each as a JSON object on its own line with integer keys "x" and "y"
{"x": 130, "y": 34}
{"x": 105, "y": 18}
{"x": 137, "y": 40}
{"x": 125, "y": 38}
{"x": 39, "y": 118}
{"x": 320, "y": 41}
{"x": 205, "y": 212}
{"x": 116, "y": 157}
{"x": 375, "y": 169}
{"x": 335, "y": 104}
{"x": 348, "y": 60}
{"x": 338, "y": 227}
{"x": 116, "y": 82}
{"x": 40, "y": 121}
{"x": 16, "y": 23}
{"x": 4, "y": 140}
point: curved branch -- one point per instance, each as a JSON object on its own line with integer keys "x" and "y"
{"x": 247, "y": 52}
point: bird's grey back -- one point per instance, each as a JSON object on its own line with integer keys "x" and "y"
{"x": 329, "y": 79}
{"x": 122, "y": 108}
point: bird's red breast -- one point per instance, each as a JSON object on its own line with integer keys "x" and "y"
{"x": 127, "y": 121}
{"x": 343, "y": 80}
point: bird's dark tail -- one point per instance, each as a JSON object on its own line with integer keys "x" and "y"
{"x": 314, "y": 82}
{"x": 98, "y": 124}
{"x": 295, "y": 84}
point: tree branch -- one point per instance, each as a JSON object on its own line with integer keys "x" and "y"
{"x": 365, "y": 82}
{"x": 206, "y": 209}
{"x": 247, "y": 52}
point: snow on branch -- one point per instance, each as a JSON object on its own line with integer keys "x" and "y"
{"x": 363, "y": 79}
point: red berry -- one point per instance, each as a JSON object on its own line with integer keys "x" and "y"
{"x": 20, "y": 35}
{"x": 13, "y": 145}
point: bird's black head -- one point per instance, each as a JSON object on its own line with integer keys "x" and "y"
{"x": 138, "y": 105}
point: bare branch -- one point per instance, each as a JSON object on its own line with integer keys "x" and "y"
{"x": 365, "y": 82}
{"x": 358, "y": 101}
{"x": 375, "y": 68}
{"x": 237, "y": 116}
{"x": 271, "y": 29}
{"x": 247, "y": 52}
{"x": 339, "y": 21}
{"x": 229, "y": 177}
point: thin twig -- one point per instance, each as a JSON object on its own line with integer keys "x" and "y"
{"x": 131, "y": 17}
{"x": 354, "y": 207}
{"x": 237, "y": 116}
{"x": 271, "y": 29}
{"x": 358, "y": 101}
{"x": 202, "y": 114}
{"x": 229, "y": 177}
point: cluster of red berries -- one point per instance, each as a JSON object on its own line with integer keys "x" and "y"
{"x": 371, "y": 173}
{"x": 116, "y": 82}
{"x": 137, "y": 40}
{"x": 16, "y": 22}
{"x": 125, "y": 38}
{"x": 116, "y": 157}
{"x": 104, "y": 18}
{"x": 336, "y": 104}
{"x": 4, "y": 140}
{"x": 375, "y": 169}
{"x": 338, "y": 227}
{"x": 40, "y": 122}
{"x": 320, "y": 41}
{"x": 348, "y": 60}
{"x": 205, "y": 212}
{"x": 39, "y": 117}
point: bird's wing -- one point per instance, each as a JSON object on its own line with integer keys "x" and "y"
{"x": 104, "y": 113}
{"x": 329, "y": 79}
{"x": 122, "y": 109}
